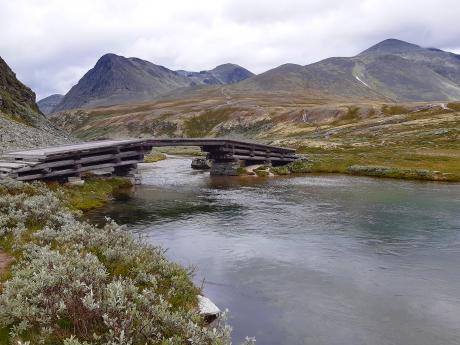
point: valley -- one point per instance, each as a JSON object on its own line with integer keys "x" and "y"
{"x": 341, "y": 112}
{"x": 334, "y": 136}
{"x": 317, "y": 200}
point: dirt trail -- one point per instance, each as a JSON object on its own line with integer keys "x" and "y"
{"x": 5, "y": 260}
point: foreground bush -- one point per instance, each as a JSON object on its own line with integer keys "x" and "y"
{"x": 74, "y": 282}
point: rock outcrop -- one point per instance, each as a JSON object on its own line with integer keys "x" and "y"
{"x": 21, "y": 122}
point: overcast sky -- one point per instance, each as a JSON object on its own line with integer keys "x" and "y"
{"x": 50, "y": 44}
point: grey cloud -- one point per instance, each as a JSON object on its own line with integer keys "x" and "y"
{"x": 51, "y": 43}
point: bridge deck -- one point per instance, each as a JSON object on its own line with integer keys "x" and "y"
{"x": 113, "y": 155}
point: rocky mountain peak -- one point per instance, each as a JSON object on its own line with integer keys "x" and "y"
{"x": 391, "y": 46}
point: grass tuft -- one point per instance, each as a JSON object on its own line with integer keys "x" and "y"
{"x": 154, "y": 157}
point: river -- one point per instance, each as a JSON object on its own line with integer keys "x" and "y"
{"x": 326, "y": 259}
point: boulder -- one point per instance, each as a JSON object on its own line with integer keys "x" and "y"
{"x": 208, "y": 309}
{"x": 201, "y": 163}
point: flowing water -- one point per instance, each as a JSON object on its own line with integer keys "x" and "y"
{"x": 314, "y": 259}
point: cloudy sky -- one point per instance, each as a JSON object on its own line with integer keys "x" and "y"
{"x": 50, "y": 44}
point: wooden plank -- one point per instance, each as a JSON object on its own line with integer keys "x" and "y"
{"x": 252, "y": 152}
{"x": 12, "y": 165}
{"x": 214, "y": 142}
{"x": 48, "y": 151}
{"x": 29, "y": 177}
{"x": 97, "y": 158}
{"x": 96, "y": 167}
{"x": 61, "y": 172}
{"x": 47, "y": 165}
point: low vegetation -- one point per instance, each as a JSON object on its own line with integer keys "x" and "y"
{"x": 154, "y": 157}
{"x": 378, "y": 163}
{"x": 74, "y": 283}
{"x": 94, "y": 193}
{"x": 281, "y": 170}
{"x": 454, "y": 106}
{"x": 394, "y": 109}
{"x": 201, "y": 125}
{"x": 194, "y": 151}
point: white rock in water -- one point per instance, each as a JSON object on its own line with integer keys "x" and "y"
{"x": 207, "y": 307}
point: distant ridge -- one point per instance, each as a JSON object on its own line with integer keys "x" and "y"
{"x": 221, "y": 75}
{"x": 116, "y": 80}
{"x": 48, "y": 104}
{"x": 390, "y": 70}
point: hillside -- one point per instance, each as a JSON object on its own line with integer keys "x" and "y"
{"x": 16, "y": 99}
{"x": 391, "y": 70}
{"x": 47, "y": 104}
{"x": 119, "y": 80}
{"x": 334, "y": 136}
{"x": 21, "y": 123}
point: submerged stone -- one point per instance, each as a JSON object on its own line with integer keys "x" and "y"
{"x": 201, "y": 163}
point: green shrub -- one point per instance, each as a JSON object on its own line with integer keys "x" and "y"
{"x": 262, "y": 167}
{"x": 400, "y": 173}
{"x": 454, "y": 106}
{"x": 300, "y": 166}
{"x": 281, "y": 170}
{"x": 241, "y": 171}
{"x": 261, "y": 173}
{"x": 394, "y": 109}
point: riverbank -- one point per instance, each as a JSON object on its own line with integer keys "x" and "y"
{"x": 419, "y": 143}
{"x": 73, "y": 282}
{"x": 375, "y": 164}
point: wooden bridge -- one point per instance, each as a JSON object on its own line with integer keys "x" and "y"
{"x": 122, "y": 156}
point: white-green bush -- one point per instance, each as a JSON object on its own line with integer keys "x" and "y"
{"x": 75, "y": 283}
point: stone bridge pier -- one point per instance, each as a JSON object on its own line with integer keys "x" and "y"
{"x": 226, "y": 168}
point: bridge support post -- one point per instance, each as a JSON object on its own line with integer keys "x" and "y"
{"x": 228, "y": 168}
{"x": 130, "y": 172}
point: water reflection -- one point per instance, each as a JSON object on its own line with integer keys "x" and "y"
{"x": 311, "y": 260}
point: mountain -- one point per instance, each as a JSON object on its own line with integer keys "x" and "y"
{"x": 118, "y": 80}
{"x": 16, "y": 98}
{"x": 21, "y": 122}
{"x": 221, "y": 75}
{"x": 391, "y": 70}
{"x": 47, "y": 104}
{"x": 230, "y": 73}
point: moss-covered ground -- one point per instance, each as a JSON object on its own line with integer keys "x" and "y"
{"x": 94, "y": 193}
{"x": 154, "y": 157}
